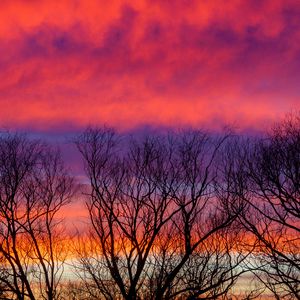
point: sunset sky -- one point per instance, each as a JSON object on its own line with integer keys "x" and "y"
{"x": 130, "y": 64}
{"x": 142, "y": 65}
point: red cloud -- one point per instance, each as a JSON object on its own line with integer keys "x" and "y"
{"x": 148, "y": 62}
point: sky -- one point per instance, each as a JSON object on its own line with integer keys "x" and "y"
{"x": 132, "y": 64}
{"x": 137, "y": 64}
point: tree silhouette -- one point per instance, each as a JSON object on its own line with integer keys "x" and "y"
{"x": 267, "y": 179}
{"x": 157, "y": 222}
{"x": 34, "y": 186}
{"x": 172, "y": 216}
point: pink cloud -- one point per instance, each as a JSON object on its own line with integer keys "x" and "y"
{"x": 148, "y": 62}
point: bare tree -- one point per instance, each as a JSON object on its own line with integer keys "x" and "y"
{"x": 34, "y": 186}
{"x": 268, "y": 181}
{"x": 156, "y": 218}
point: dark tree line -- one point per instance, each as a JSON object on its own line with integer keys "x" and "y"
{"x": 183, "y": 215}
